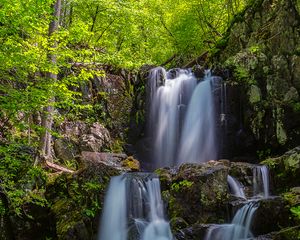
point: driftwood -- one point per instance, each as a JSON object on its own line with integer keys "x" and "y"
{"x": 57, "y": 167}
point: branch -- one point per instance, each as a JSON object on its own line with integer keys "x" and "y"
{"x": 57, "y": 167}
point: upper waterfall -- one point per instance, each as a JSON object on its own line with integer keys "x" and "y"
{"x": 181, "y": 119}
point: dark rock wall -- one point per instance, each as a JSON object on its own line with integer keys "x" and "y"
{"x": 261, "y": 50}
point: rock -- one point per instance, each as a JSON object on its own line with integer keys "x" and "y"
{"x": 285, "y": 169}
{"x": 194, "y": 232}
{"x": 76, "y": 199}
{"x": 82, "y": 136}
{"x": 96, "y": 139}
{"x": 199, "y": 71}
{"x": 197, "y": 192}
{"x": 291, "y": 95}
{"x": 254, "y": 94}
{"x": 73, "y": 130}
{"x": 65, "y": 149}
{"x": 177, "y": 224}
{"x": 271, "y": 215}
{"x": 243, "y": 172}
{"x": 114, "y": 160}
{"x": 261, "y": 48}
{"x": 131, "y": 163}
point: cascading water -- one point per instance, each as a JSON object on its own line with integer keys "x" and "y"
{"x": 181, "y": 123}
{"x": 114, "y": 217}
{"x": 197, "y": 143}
{"x": 241, "y": 223}
{"x": 238, "y": 229}
{"x": 235, "y": 187}
{"x": 134, "y": 208}
{"x": 261, "y": 183}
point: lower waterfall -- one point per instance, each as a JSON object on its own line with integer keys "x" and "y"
{"x": 134, "y": 209}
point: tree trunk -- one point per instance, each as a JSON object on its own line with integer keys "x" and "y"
{"x": 47, "y": 115}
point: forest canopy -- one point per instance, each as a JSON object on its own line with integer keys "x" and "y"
{"x": 43, "y": 43}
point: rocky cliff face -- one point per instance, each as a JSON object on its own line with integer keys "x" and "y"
{"x": 262, "y": 51}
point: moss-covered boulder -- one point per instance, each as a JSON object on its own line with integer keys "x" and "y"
{"x": 196, "y": 192}
{"x": 76, "y": 200}
{"x": 285, "y": 170}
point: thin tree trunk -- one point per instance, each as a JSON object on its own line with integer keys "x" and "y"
{"x": 47, "y": 115}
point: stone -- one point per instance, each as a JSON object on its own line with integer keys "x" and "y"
{"x": 131, "y": 163}
{"x": 113, "y": 160}
{"x": 96, "y": 139}
{"x": 65, "y": 149}
{"x": 194, "y": 232}
{"x": 285, "y": 169}
{"x": 197, "y": 192}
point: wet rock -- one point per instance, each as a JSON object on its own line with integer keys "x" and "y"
{"x": 285, "y": 169}
{"x": 243, "y": 172}
{"x": 177, "y": 224}
{"x": 195, "y": 232}
{"x": 131, "y": 163}
{"x": 262, "y": 50}
{"x": 77, "y": 199}
{"x": 271, "y": 215}
{"x": 198, "y": 192}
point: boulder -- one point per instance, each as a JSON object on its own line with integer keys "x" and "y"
{"x": 96, "y": 139}
{"x": 76, "y": 199}
{"x": 65, "y": 149}
{"x": 114, "y": 160}
{"x": 285, "y": 170}
{"x": 79, "y": 136}
{"x": 196, "y": 192}
{"x": 194, "y": 232}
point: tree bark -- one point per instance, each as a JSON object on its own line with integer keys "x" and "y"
{"x": 47, "y": 115}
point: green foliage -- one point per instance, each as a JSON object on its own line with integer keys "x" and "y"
{"x": 21, "y": 183}
{"x": 296, "y": 211}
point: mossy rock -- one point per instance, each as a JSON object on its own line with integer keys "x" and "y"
{"x": 199, "y": 193}
{"x": 131, "y": 163}
{"x": 285, "y": 169}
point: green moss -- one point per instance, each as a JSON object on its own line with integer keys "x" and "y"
{"x": 176, "y": 187}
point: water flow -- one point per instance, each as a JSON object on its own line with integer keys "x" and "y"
{"x": 140, "y": 210}
{"x": 261, "y": 184}
{"x": 235, "y": 187}
{"x": 197, "y": 142}
{"x": 238, "y": 229}
{"x": 114, "y": 219}
{"x": 181, "y": 120}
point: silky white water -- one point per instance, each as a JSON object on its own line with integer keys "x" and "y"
{"x": 261, "y": 185}
{"x": 181, "y": 122}
{"x": 239, "y": 227}
{"x": 134, "y": 207}
{"x": 114, "y": 216}
{"x": 235, "y": 187}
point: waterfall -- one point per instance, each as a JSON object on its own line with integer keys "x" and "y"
{"x": 136, "y": 209}
{"x": 235, "y": 187}
{"x": 114, "y": 220}
{"x": 261, "y": 185}
{"x": 181, "y": 123}
{"x": 197, "y": 143}
{"x": 238, "y": 229}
